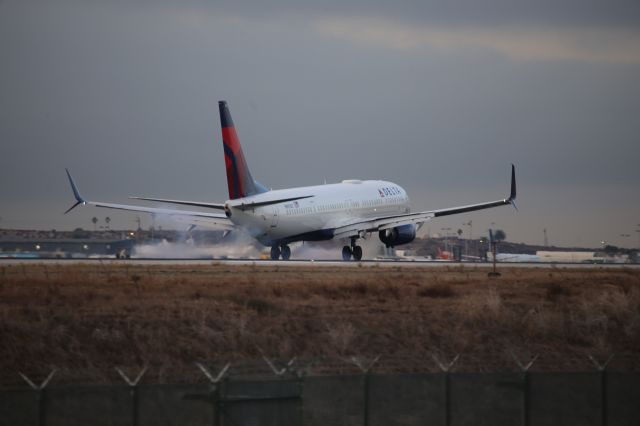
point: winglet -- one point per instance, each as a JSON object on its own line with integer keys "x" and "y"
{"x": 513, "y": 183}
{"x": 76, "y": 193}
{"x": 512, "y": 197}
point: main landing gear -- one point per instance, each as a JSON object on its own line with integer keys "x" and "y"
{"x": 352, "y": 250}
{"x": 277, "y": 252}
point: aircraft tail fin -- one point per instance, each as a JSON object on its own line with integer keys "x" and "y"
{"x": 239, "y": 179}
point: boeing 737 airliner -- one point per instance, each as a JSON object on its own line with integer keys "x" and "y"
{"x": 350, "y": 210}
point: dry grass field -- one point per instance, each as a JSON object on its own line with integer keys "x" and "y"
{"x": 86, "y": 319}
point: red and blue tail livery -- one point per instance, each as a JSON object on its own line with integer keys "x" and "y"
{"x": 239, "y": 179}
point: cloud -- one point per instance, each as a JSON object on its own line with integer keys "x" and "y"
{"x": 571, "y": 44}
{"x": 538, "y": 32}
{"x": 437, "y": 96}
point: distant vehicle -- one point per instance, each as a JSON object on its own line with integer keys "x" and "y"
{"x": 514, "y": 257}
{"x": 443, "y": 254}
{"x": 349, "y": 210}
{"x": 569, "y": 257}
{"x": 19, "y": 256}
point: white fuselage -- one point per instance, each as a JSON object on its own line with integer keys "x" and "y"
{"x": 314, "y": 218}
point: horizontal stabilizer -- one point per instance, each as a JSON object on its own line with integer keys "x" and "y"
{"x": 269, "y": 202}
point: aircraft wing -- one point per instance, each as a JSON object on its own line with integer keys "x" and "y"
{"x": 212, "y": 220}
{"x": 380, "y": 224}
{"x": 183, "y": 203}
{"x": 387, "y": 222}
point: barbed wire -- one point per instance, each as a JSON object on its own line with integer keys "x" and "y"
{"x": 298, "y": 367}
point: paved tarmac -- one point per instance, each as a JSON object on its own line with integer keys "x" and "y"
{"x": 321, "y": 263}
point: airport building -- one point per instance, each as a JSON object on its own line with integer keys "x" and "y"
{"x": 66, "y": 248}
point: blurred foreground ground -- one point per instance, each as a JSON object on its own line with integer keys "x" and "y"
{"x": 85, "y": 320}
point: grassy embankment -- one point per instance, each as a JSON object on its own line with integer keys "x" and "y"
{"x": 87, "y": 319}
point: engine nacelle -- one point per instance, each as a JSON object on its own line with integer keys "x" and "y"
{"x": 399, "y": 235}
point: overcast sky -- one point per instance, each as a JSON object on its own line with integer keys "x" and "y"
{"x": 439, "y": 97}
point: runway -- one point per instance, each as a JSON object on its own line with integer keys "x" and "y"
{"x": 319, "y": 263}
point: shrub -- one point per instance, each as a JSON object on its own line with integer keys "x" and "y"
{"x": 493, "y": 302}
{"x": 341, "y": 336}
{"x": 437, "y": 291}
{"x": 555, "y": 290}
{"x": 358, "y": 288}
{"x": 260, "y": 306}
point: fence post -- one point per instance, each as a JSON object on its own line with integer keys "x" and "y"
{"x": 446, "y": 368}
{"x": 299, "y": 373}
{"x": 602, "y": 370}
{"x": 133, "y": 391}
{"x": 524, "y": 368}
{"x": 215, "y": 388}
{"x": 40, "y": 395}
{"x": 366, "y": 370}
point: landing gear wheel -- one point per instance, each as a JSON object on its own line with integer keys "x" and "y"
{"x": 346, "y": 253}
{"x": 286, "y": 252}
{"x": 275, "y": 253}
{"x": 357, "y": 253}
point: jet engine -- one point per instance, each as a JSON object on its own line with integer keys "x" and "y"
{"x": 399, "y": 235}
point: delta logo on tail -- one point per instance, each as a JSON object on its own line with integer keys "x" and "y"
{"x": 239, "y": 180}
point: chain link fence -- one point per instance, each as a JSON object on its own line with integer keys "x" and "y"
{"x": 350, "y": 391}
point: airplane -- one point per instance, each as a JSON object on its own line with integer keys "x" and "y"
{"x": 351, "y": 210}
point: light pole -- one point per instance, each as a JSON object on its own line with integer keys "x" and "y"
{"x": 470, "y": 237}
{"x": 446, "y": 238}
